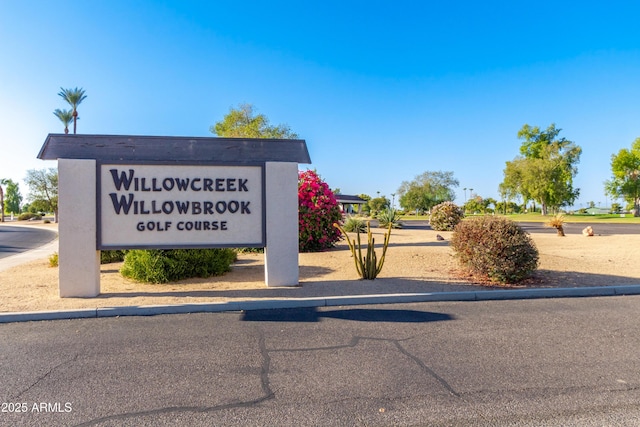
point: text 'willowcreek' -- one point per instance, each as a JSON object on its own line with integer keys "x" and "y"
{"x": 130, "y": 182}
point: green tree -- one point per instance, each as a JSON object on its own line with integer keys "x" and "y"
{"x": 427, "y": 190}
{"x": 13, "y": 198}
{"x": 3, "y": 181}
{"x": 545, "y": 169}
{"x": 73, "y": 97}
{"x": 244, "y": 123}
{"x": 625, "y": 182}
{"x": 65, "y": 116}
{"x": 378, "y": 204}
{"x": 43, "y": 189}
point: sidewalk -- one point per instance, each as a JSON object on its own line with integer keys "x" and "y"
{"x": 380, "y": 291}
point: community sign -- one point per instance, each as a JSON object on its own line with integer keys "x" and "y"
{"x": 180, "y": 206}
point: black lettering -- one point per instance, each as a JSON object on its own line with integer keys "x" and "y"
{"x": 219, "y": 184}
{"x": 231, "y": 184}
{"x": 154, "y": 210}
{"x": 192, "y": 184}
{"x": 208, "y": 208}
{"x": 151, "y": 226}
{"x": 183, "y": 184}
{"x": 198, "y": 225}
{"x": 154, "y": 185}
{"x": 143, "y": 181}
{"x": 221, "y": 207}
{"x": 118, "y": 181}
{"x": 214, "y": 225}
{"x": 140, "y": 226}
{"x": 233, "y": 206}
{"x": 242, "y": 184}
{"x": 183, "y": 207}
{"x": 244, "y": 208}
{"x": 188, "y": 225}
{"x": 122, "y": 204}
{"x": 142, "y": 211}
{"x": 167, "y": 225}
{"x": 207, "y": 184}
{"x": 207, "y": 226}
{"x": 180, "y": 226}
{"x": 223, "y": 225}
{"x": 167, "y": 207}
{"x": 196, "y": 208}
{"x": 168, "y": 184}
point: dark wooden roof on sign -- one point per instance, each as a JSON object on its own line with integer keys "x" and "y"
{"x": 173, "y": 148}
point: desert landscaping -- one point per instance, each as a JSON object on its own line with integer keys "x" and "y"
{"x": 416, "y": 262}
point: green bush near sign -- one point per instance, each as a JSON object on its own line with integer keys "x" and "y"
{"x": 110, "y": 256}
{"x": 162, "y": 266}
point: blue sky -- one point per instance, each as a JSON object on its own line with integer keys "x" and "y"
{"x": 381, "y": 91}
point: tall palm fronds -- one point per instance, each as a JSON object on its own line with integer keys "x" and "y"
{"x": 65, "y": 116}
{"x": 74, "y": 97}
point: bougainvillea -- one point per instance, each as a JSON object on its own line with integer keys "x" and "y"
{"x": 317, "y": 212}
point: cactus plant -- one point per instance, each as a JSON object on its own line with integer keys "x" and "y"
{"x": 367, "y": 266}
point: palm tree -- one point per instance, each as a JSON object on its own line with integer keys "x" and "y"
{"x": 74, "y": 97}
{"x": 65, "y": 116}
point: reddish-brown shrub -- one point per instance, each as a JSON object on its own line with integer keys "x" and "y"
{"x": 495, "y": 248}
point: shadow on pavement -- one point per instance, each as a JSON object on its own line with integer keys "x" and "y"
{"x": 355, "y": 314}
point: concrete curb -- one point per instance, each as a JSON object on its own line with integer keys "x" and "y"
{"x": 152, "y": 310}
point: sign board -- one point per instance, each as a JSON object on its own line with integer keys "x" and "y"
{"x": 180, "y": 206}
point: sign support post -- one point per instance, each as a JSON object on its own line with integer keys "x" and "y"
{"x": 78, "y": 259}
{"x": 281, "y": 252}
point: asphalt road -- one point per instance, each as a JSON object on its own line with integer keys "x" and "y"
{"x": 555, "y": 362}
{"x": 14, "y": 240}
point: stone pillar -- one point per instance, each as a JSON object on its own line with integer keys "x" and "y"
{"x": 281, "y": 252}
{"x": 78, "y": 259}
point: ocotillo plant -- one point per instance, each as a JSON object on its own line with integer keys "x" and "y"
{"x": 367, "y": 266}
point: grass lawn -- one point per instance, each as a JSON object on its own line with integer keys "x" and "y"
{"x": 536, "y": 217}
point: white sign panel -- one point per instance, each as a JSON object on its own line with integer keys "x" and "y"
{"x": 180, "y": 206}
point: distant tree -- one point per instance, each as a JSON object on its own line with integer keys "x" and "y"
{"x": 65, "y": 116}
{"x": 378, "y": 204}
{"x": 616, "y": 208}
{"x": 427, "y": 190}
{"x": 625, "y": 182}
{"x": 507, "y": 207}
{"x": 13, "y": 198}
{"x": 244, "y": 123}
{"x": 478, "y": 204}
{"x": 3, "y": 181}
{"x": 73, "y": 97}
{"x": 472, "y": 206}
{"x": 43, "y": 189}
{"x": 545, "y": 169}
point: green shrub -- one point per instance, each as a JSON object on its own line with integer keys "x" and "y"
{"x": 389, "y": 217}
{"x": 162, "y": 266}
{"x": 53, "y": 259}
{"x": 494, "y": 248}
{"x": 107, "y": 257}
{"x": 28, "y": 215}
{"x": 445, "y": 216}
{"x": 353, "y": 224}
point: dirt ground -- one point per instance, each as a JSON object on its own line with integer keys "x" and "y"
{"x": 416, "y": 262}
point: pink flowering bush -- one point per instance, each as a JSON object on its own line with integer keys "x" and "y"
{"x": 317, "y": 212}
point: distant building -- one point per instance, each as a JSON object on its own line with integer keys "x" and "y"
{"x": 350, "y": 204}
{"x": 598, "y": 211}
